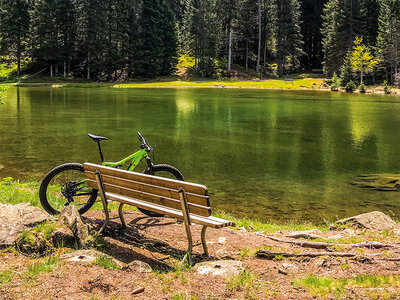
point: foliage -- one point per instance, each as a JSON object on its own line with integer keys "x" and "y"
{"x": 346, "y": 73}
{"x": 335, "y": 82}
{"x": 106, "y": 262}
{"x": 386, "y": 87}
{"x": 185, "y": 65}
{"x": 350, "y": 86}
{"x": 362, "y": 88}
{"x": 361, "y": 59}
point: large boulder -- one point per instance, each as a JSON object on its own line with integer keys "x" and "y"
{"x": 374, "y": 220}
{"x": 14, "y": 219}
{"x": 70, "y": 217}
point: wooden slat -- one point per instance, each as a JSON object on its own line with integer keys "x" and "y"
{"x": 149, "y": 188}
{"x": 148, "y": 179}
{"x": 156, "y": 199}
{"x": 207, "y": 221}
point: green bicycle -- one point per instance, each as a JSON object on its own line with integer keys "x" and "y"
{"x": 66, "y": 184}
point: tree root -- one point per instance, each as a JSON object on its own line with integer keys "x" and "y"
{"x": 271, "y": 254}
{"x": 321, "y": 245}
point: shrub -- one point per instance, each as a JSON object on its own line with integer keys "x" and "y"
{"x": 386, "y": 88}
{"x": 350, "y": 86}
{"x": 362, "y": 88}
{"x": 335, "y": 82}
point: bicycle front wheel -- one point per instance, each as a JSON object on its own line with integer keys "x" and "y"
{"x": 165, "y": 171}
{"x": 66, "y": 185}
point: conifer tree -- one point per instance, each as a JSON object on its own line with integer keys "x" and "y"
{"x": 14, "y": 28}
{"x": 288, "y": 37}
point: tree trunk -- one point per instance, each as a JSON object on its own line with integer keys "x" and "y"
{"x": 247, "y": 56}
{"x": 259, "y": 38}
{"x": 65, "y": 68}
{"x": 88, "y": 65}
{"x": 51, "y": 70}
{"x": 230, "y": 49}
{"x": 361, "y": 77}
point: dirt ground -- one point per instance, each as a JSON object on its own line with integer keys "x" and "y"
{"x": 161, "y": 243}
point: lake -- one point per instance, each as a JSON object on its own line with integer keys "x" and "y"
{"x": 267, "y": 154}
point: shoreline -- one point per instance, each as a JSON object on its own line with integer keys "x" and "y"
{"x": 307, "y": 84}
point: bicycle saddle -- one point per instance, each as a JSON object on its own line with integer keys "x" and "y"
{"x": 97, "y": 138}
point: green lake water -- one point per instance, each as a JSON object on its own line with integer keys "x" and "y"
{"x": 272, "y": 155}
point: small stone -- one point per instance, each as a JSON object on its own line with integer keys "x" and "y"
{"x": 223, "y": 268}
{"x": 282, "y": 271}
{"x": 138, "y": 266}
{"x": 221, "y": 240}
{"x": 344, "y": 234}
{"x": 137, "y": 290}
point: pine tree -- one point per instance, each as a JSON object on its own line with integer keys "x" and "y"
{"x": 343, "y": 21}
{"x": 14, "y": 28}
{"x": 389, "y": 35}
{"x": 288, "y": 37}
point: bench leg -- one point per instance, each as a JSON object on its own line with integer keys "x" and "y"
{"x": 103, "y": 200}
{"x": 203, "y": 240}
{"x": 186, "y": 219}
{"x": 121, "y": 216}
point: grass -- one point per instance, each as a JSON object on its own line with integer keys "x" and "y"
{"x": 245, "y": 281}
{"x": 48, "y": 265}
{"x": 106, "y": 263}
{"x": 307, "y": 83}
{"x": 6, "y": 276}
{"x": 321, "y": 286}
{"x": 258, "y": 226}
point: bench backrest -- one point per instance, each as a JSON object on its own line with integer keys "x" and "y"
{"x": 154, "y": 189}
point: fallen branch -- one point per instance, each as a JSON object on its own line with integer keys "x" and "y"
{"x": 271, "y": 254}
{"x": 321, "y": 245}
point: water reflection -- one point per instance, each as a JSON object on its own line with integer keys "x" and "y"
{"x": 267, "y": 154}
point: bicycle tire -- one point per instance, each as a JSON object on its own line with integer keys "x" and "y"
{"x": 161, "y": 168}
{"x": 67, "y": 186}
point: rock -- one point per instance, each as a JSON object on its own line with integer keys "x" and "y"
{"x": 89, "y": 257}
{"x": 281, "y": 271}
{"x": 62, "y": 237}
{"x": 138, "y": 266}
{"x": 221, "y": 240}
{"x": 70, "y": 216}
{"x": 14, "y": 219}
{"x": 344, "y": 234}
{"x": 308, "y": 234}
{"x": 375, "y": 220}
{"x": 223, "y": 268}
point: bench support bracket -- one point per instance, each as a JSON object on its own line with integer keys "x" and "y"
{"x": 203, "y": 240}
{"x": 103, "y": 200}
{"x": 186, "y": 220}
{"x": 121, "y": 216}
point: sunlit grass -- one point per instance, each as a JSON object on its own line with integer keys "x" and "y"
{"x": 6, "y": 276}
{"x": 321, "y": 286}
{"x": 307, "y": 83}
{"x": 47, "y": 265}
{"x": 106, "y": 263}
{"x": 258, "y": 226}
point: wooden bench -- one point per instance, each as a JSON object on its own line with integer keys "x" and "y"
{"x": 179, "y": 199}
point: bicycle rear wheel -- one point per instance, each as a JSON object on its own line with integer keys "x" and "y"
{"x": 65, "y": 185}
{"x": 166, "y": 171}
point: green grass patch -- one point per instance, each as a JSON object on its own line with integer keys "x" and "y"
{"x": 6, "y": 276}
{"x": 320, "y": 286}
{"x": 47, "y": 265}
{"x": 14, "y": 192}
{"x": 245, "y": 281}
{"x": 106, "y": 263}
{"x": 305, "y": 83}
{"x": 258, "y": 226}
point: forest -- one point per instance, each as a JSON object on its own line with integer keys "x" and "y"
{"x": 119, "y": 40}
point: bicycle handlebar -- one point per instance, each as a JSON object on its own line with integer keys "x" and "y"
{"x": 145, "y": 144}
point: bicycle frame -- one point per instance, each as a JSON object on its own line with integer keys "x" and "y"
{"x": 135, "y": 157}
